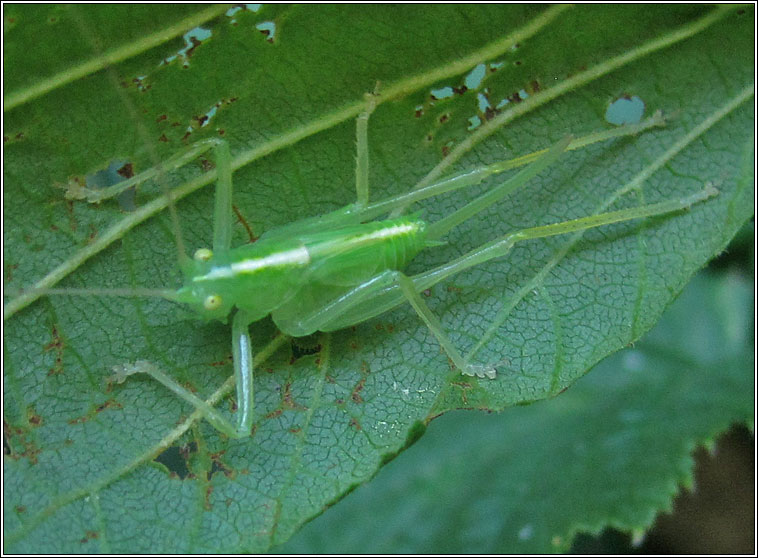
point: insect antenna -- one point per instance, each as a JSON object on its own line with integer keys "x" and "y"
{"x": 124, "y": 292}
{"x": 166, "y": 294}
{"x": 439, "y": 228}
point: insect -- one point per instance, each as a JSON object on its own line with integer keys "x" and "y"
{"x": 332, "y": 271}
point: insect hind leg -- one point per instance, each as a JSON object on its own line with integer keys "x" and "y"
{"x": 243, "y": 372}
{"x": 291, "y": 319}
{"x": 435, "y": 326}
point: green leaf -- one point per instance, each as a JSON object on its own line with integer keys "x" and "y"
{"x": 613, "y": 450}
{"x": 80, "y": 475}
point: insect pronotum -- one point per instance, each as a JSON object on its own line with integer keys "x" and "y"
{"x": 332, "y": 271}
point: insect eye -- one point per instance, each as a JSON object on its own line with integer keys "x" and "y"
{"x": 212, "y": 302}
{"x": 203, "y": 255}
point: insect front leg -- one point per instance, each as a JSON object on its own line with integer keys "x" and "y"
{"x": 223, "y": 215}
{"x": 214, "y": 417}
{"x": 76, "y": 191}
{"x": 242, "y": 354}
{"x": 241, "y": 346}
{"x": 361, "y": 159}
{"x": 222, "y": 210}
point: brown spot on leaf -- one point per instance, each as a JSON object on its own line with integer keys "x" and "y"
{"x": 224, "y": 362}
{"x": 490, "y": 113}
{"x": 356, "y": 394}
{"x": 34, "y": 419}
{"x": 275, "y": 413}
{"x": 267, "y": 33}
{"x": 287, "y": 400}
{"x": 127, "y": 171}
{"x": 15, "y": 437}
{"x": 208, "y": 493}
{"x": 109, "y": 404}
{"x": 9, "y": 271}
{"x": 219, "y": 465}
{"x": 191, "y": 50}
{"x": 56, "y": 344}
{"x": 92, "y": 234}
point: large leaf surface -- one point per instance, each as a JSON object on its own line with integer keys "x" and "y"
{"x": 612, "y": 451}
{"x": 80, "y": 475}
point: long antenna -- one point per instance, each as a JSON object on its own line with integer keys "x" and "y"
{"x": 34, "y": 293}
{"x": 167, "y": 294}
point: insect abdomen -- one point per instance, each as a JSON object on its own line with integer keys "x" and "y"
{"x": 351, "y": 255}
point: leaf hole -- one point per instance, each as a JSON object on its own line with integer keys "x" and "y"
{"x": 176, "y": 458}
{"x": 114, "y": 172}
{"x": 192, "y": 39}
{"x": 268, "y": 29}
